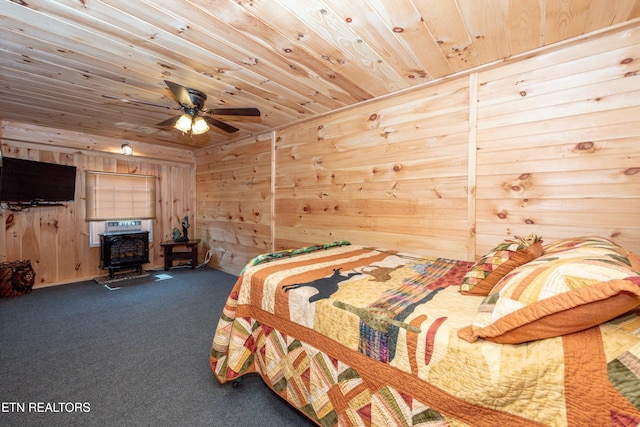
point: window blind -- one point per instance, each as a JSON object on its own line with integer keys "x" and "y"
{"x": 117, "y": 196}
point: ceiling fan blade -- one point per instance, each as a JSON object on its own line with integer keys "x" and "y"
{"x": 221, "y": 125}
{"x": 169, "y": 122}
{"x": 181, "y": 93}
{"x": 235, "y": 111}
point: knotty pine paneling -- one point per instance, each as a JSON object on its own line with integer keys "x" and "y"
{"x": 234, "y": 200}
{"x": 97, "y": 66}
{"x": 391, "y": 173}
{"x": 548, "y": 145}
{"x": 56, "y": 239}
{"x": 557, "y": 144}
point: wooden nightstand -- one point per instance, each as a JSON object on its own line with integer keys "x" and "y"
{"x": 190, "y": 252}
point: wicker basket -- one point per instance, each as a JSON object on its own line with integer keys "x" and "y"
{"x": 16, "y": 278}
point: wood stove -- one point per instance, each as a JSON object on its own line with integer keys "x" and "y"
{"x": 124, "y": 251}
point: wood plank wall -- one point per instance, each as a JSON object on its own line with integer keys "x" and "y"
{"x": 384, "y": 174}
{"x": 558, "y": 143}
{"x": 234, "y": 201}
{"x": 548, "y": 143}
{"x": 56, "y": 239}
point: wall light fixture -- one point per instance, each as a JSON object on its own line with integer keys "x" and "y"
{"x": 126, "y": 149}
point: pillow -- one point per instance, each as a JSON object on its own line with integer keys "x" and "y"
{"x": 624, "y": 255}
{"x": 579, "y": 242}
{"x": 557, "y": 294}
{"x": 492, "y": 267}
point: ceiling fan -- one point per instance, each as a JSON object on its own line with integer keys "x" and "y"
{"x": 193, "y": 118}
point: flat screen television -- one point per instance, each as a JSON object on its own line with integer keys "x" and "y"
{"x": 28, "y": 181}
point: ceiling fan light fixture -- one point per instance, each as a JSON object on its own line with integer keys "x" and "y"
{"x": 191, "y": 103}
{"x": 199, "y": 126}
{"x": 184, "y": 123}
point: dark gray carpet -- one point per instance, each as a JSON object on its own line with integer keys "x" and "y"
{"x": 82, "y": 354}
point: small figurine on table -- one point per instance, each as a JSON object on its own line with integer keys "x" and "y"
{"x": 185, "y": 233}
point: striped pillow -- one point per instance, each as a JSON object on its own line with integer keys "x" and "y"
{"x": 502, "y": 259}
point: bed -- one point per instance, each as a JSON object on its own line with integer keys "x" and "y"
{"x": 527, "y": 335}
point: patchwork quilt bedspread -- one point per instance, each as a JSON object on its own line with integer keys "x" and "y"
{"x": 352, "y": 335}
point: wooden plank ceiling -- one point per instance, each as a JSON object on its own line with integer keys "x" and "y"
{"x": 99, "y": 66}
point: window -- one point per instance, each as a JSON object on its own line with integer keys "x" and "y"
{"x": 117, "y": 196}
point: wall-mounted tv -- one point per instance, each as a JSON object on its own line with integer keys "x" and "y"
{"x": 27, "y": 181}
